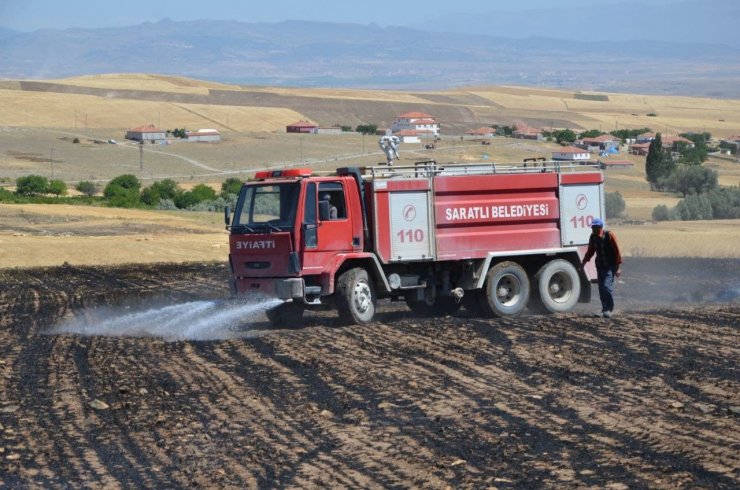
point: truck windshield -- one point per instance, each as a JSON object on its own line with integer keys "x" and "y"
{"x": 266, "y": 207}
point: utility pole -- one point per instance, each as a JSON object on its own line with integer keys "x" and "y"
{"x": 51, "y": 159}
{"x": 141, "y": 155}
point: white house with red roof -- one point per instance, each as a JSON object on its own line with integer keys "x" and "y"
{"x": 571, "y": 153}
{"x": 420, "y": 122}
{"x": 408, "y": 136}
{"x": 148, "y": 132}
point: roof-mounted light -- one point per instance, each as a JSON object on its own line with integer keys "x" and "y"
{"x": 284, "y": 174}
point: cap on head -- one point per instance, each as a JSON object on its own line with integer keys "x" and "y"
{"x": 597, "y": 222}
{"x": 325, "y": 197}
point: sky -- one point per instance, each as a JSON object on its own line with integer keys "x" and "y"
{"x": 31, "y": 15}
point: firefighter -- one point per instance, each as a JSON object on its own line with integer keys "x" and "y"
{"x": 608, "y": 263}
{"x": 332, "y": 208}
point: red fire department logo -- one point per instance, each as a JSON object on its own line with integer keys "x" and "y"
{"x": 409, "y": 212}
{"x": 581, "y": 201}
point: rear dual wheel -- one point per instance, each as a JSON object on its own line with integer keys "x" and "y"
{"x": 557, "y": 287}
{"x": 506, "y": 291}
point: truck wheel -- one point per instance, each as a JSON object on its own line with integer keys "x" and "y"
{"x": 442, "y": 306}
{"x": 286, "y": 315}
{"x": 557, "y": 287}
{"x": 506, "y": 290}
{"x": 355, "y": 297}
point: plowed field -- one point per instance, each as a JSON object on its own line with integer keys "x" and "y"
{"x": 650, "y": 398}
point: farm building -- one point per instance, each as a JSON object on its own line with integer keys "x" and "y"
{"x": 301, "y": 127}
{"x": 571, "y": 153}
{"x": 203, "y": 135}
{"x": 148, "y": 132}
{"x": 605, "y": 142}
{"x": 673, "y": 141}
{"x": 328, "y": 130}
{"x": 525, "y": 132}
{"x": 415, "y": 121}
{"x": 408, "y": 136}
{"x": 646, "y": 137}
{"x": 640, "y": 149}
{"x": 481, "y": 133}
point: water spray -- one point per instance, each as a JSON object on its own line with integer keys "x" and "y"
{"x": 194, "y": 320}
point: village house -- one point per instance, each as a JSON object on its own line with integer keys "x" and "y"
{"x": 408, "y": 136}
{"x": 605, "y": 142}
{"x": 481, "y": 133}
{"x": 145, "y": 133}
{"x": 416, "y": 121}
{"x": 203, "y": 135}
{"x": 571, "y": 153}
{"x": 523, "y": 131}
{"x": 301, "y": 127}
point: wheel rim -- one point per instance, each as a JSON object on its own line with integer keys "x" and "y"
{"x": 508, "y": 290}
{"x": 362, "y": 297}
{"x": 560, "y": 287}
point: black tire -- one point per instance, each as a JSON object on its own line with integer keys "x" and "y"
{"x": 286, "y": 315}
{"x": 355, "y": 297}
{"x": 442, "y": 306}
{"x": 557, "y": 287}
{"x": 506, "y": 290}
{"x": 474, "y": 302}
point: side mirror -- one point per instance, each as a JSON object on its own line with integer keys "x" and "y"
{"x": 227, "y": 216}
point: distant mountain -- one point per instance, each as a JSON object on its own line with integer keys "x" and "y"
{"x": 705, "y": 21}
{"x": 300, "y": 53}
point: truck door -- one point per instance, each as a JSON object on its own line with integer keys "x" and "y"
{"x": 328, "y": 213}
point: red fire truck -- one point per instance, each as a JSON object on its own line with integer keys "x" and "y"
{"x": 495, "y": 238}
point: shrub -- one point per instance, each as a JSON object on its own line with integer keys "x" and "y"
{"x": 693, "y": 208}
{"x": 615, "y": 205}
{"x": 725, "y": 202}
{"x": 57, "y": 187}
{"x": 232, "y": 185}
{"x": 166, "y": 204}
{"x": 123, "y": 191}
{"x": 164, "y": 189}
{"x": 185, "y": 199}
{"x": 661, "y": 213}
{"x": 31, "y": 185}
{"x": 204, "y": 192}
{"x": 691, "y": 179}
{"x": 87, "y": 188}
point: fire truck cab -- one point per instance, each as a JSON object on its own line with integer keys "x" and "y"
{"x": 495, "y": 238}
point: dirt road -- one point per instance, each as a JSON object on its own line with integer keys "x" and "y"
{"x": 650, "y": 398}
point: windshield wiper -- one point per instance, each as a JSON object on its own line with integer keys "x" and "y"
{"x": 242, "y": 227}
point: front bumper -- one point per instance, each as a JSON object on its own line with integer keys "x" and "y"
{"x": 290, "y": 288}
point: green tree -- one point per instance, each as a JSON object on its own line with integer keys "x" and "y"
{"x": 57, "y": 187}
{"x": 163, "y": 189}
{"x": 232, "y": 185}
{"x": 367, "y": 128}
{"x": 591, "y": 133}
{"x": 204, "y": 192}
{"x": 658, "y": 164}
{"x": 185, "y": 199}
{"x": 87, "y": 188}
{"x": 725, "y": 202}
{"x": 615, "y": 205}
{"x": 661, "y": 213}
{"x": 123, "y": 191}
{"x": 564, "y": 136}
{"x": 31, "y": 185}
{"x": 691, "y": 179}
